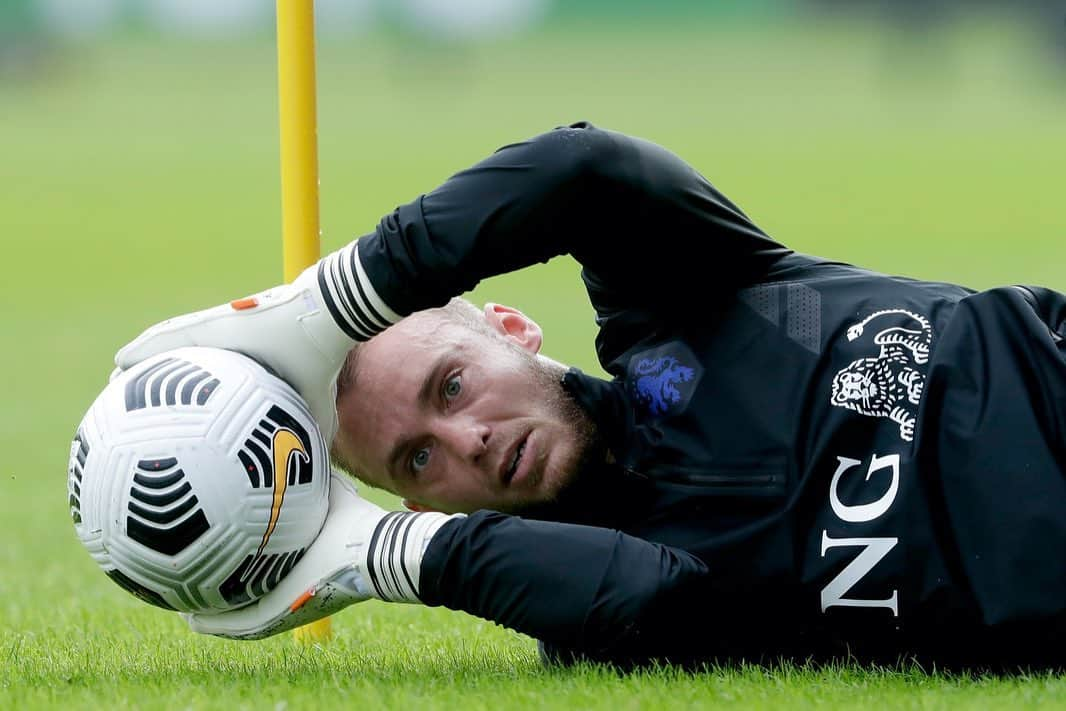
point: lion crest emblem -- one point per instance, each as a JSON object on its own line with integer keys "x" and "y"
{"x": 889, "y": 384}
{"x": 657, "y": 381}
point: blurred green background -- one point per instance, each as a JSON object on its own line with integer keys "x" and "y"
{"x": 139, "y": 172}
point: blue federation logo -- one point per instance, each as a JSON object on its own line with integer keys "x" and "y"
{"x": 661, "y": 382}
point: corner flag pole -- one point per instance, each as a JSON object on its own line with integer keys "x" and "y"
{"x": 299, "y": 166}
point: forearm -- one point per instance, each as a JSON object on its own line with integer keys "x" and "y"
{"x": 579, "y": 587}
{"x": 517, "y": 207}
{"x": 643, "y": 223}
{"x": 574, "y": 586}
{"x": 524, "y": 204}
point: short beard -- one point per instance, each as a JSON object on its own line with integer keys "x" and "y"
{"x": 589, "y": 448}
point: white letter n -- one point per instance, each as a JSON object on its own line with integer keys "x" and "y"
{"x": 875, "y": 549}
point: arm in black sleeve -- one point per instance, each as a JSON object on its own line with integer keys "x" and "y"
{"x": 644, "y": 225}
{"x": 575, "y": 586}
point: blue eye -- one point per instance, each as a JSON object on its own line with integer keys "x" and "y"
{"x": 420, "y": 460}
{"x": 452, "y": 387}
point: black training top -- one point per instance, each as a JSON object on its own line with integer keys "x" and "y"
{"x": 800, "y": 450}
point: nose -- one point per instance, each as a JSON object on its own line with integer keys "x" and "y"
{"x": 466, "y": 438}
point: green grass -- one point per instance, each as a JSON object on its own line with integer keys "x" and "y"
{"x": 431, "y": 660}
{"x": 141, "y": 181}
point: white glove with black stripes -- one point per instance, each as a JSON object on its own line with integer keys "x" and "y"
{"x": 362, "y": 552}
{"x": 302, "y": 331}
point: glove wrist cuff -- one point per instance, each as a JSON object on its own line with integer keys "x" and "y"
{"x": 394, "y": 556}
{"x": 350, "y": 297}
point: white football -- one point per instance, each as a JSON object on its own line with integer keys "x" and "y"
{"x": 197, "y": 480}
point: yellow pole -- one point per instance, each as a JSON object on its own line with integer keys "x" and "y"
{"x": 299, "y": 167}
{"x": 299, "y": 135}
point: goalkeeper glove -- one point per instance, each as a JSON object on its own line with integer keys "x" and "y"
{"x": 362, "y": 552}
{"x": 302, "y": 331}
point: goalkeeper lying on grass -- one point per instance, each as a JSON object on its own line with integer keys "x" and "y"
{"x": 793, "y": 456}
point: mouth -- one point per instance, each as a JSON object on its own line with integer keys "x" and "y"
{"x": 514, "y": 462}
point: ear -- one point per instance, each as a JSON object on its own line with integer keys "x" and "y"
{"x": 418, "y": 508}
{"x": 515, "y": 325}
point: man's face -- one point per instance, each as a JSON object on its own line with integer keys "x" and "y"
{"x": 456, "y": 419}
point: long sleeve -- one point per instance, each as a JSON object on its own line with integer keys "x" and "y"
{"x": 647, "y": 227}
{"x": 574, "y": 586}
